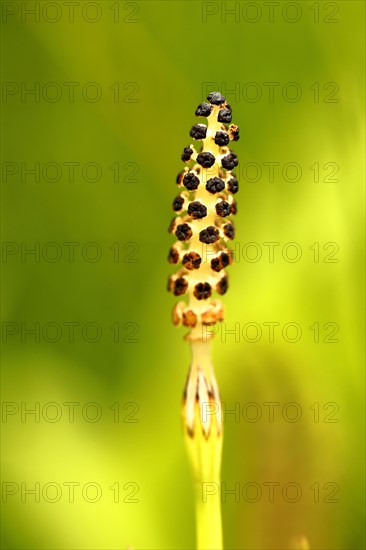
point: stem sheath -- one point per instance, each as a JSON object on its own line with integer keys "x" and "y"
{"x": 203, "y": 434}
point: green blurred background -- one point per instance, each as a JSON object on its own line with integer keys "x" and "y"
{"x": 164, "y": 55}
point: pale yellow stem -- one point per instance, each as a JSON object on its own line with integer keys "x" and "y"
{"x": 203, "y": 434}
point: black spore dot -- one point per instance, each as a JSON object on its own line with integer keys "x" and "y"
{"x": 197, "y": 210}
{"x": 224, "y": 115}
{"x": 229, "y": 161}
{"x": 180, "y": 175}
{"x": 215, "y": 185}
{"x": 216, "y": 264}
{"x": 202, "y": 291}
{"x": 216, "y": 98}
{"x": 173, "y": 255}
{"x": 172, "y": 225}
{"x": 234, "y": 132}
{"x": 180, "y": 286}
{"x": 221, "y": 261}
{"x": 225, "y": 259}
{"x": 229, "y": 230}
{"x": 191, "y": 260}
{"x": 223, "y": 209}
{"x": 178, "y": 203}
{"x": 233, "y": 185}
{"x": 198, "y": 131}
{"x": 234, "y": 207}
{"x": 203, "y": 109}
{"x": 187, "y": 153}
{"x": 206, "y": 159}
{"x": 209, "y": 235}
{"x": 191, "y": 181}
{"x": 183, "y": 232}
{"x": 222, "y": 285}
{"x": 221, "y": 138}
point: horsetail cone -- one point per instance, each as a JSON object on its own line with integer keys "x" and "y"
{"x": 203, "y": 223}
{"x": 203, "y": 227}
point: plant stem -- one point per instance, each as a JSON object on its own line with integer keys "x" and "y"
{"x": 209, "y": 529}
{"x": 203, "y": 434}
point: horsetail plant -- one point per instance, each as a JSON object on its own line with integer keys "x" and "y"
{"x": 203, "y": 228}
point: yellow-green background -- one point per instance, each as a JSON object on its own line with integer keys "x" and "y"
{"x": 170, "y": 53}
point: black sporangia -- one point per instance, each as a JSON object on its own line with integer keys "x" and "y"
{"x": 203, "y": 224}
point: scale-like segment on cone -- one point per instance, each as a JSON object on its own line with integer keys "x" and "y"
{"x": 203, "y": 224}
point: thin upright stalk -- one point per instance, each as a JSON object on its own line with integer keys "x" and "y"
{"x": 203, "y": 226}
{"x": 203, "y": 434}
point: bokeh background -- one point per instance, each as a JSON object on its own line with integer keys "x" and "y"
{"x": 124, "y": 368}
